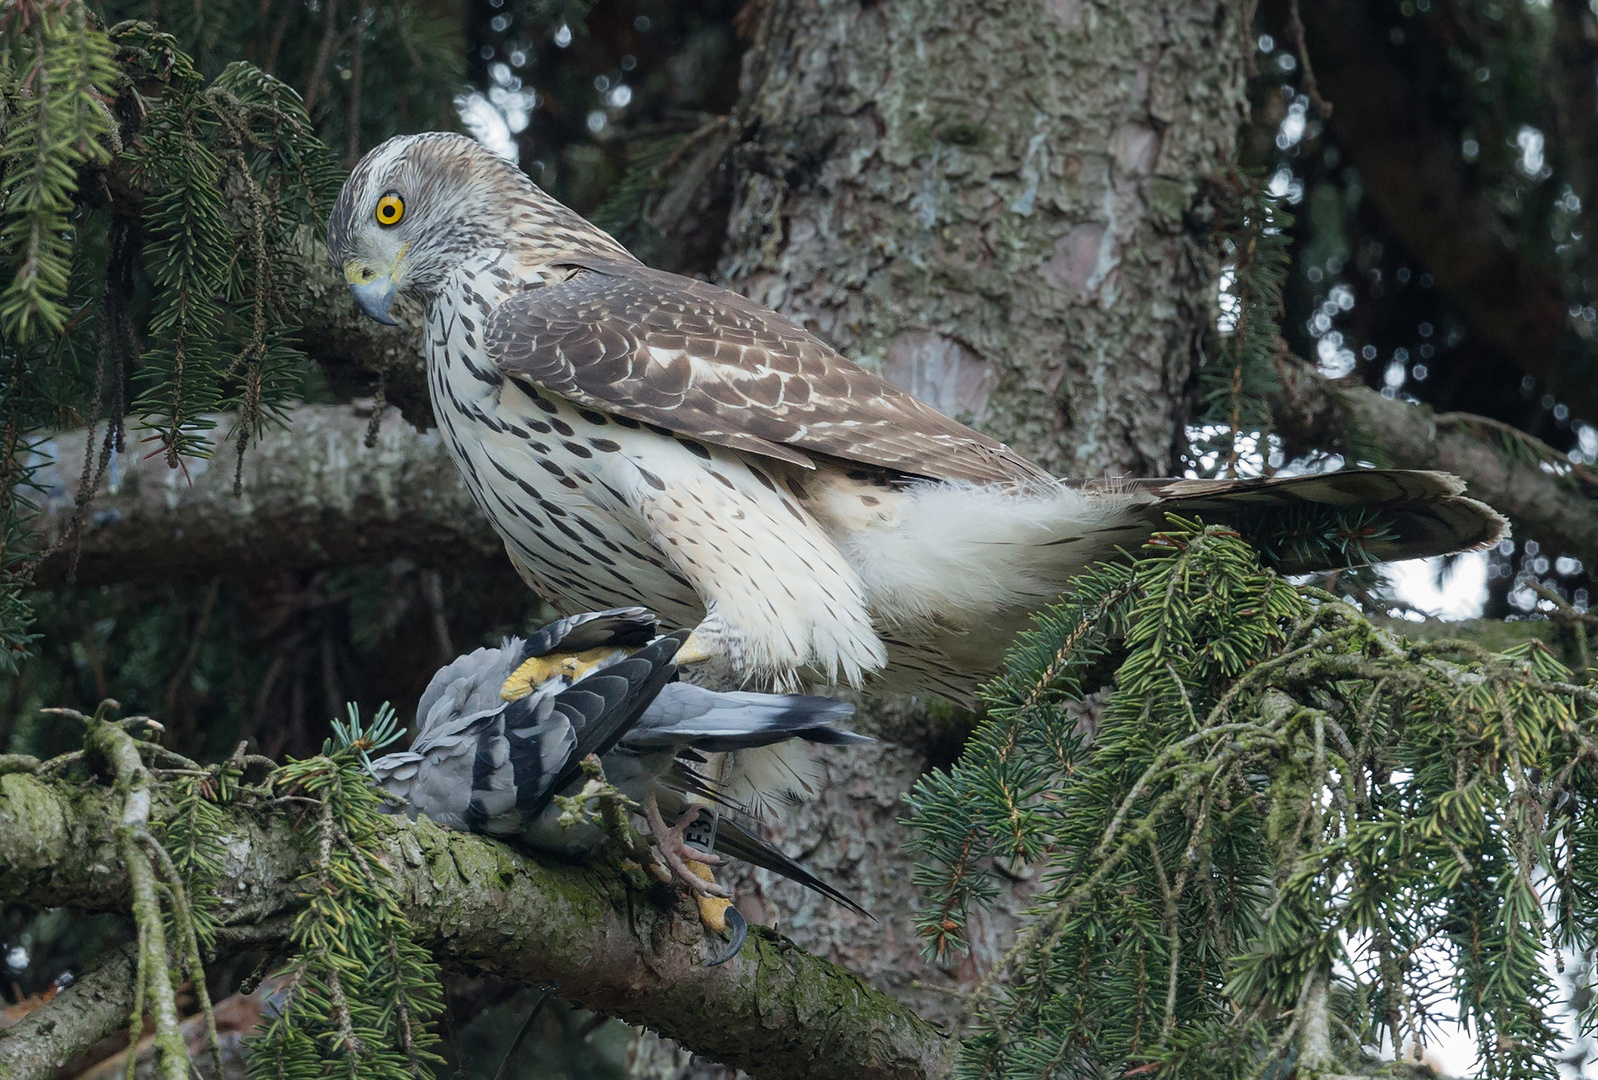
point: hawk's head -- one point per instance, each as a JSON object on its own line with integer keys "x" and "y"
{"x": 418, "y": 205}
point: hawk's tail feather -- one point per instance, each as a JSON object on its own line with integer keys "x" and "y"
{"x": 1328, "y": 521}
{"x": 954, "y": 555}
{"x": 953, "y": 570}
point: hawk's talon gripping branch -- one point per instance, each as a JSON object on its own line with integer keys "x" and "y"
{"x": 686, "y": 848}
{"x": 696, "y": 831}
{"x": 740, "y": 934}
{"x": 677, "y": 855}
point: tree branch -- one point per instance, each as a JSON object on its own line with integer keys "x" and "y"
{"x": 43, "y": 1042}
{"x": 1312, "y": 412}
{"x": 314, "y": 496}
{"x": 775, "y": 1011}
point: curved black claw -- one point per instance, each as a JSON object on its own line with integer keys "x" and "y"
{"x": 740, "y": 933}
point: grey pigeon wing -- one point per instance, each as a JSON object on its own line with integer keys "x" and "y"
{"x": 541, "y": 742}
{"x": 685, "y": 715}
{"x": 468, "y": 685}
{"x": 396, "y": 772}
{"x": 602, "y": 707}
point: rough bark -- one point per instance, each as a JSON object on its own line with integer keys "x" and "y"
{"x": 774, "y": 1011}
{"x": 988, "y": 201}
{"x": 42, "y": 1044}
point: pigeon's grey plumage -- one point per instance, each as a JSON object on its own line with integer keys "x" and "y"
{"x": 603, "y": 683}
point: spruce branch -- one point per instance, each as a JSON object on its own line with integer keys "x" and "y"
{"x": 1272, "y": 779}
{"x": 59, "y": 124}
{"x": 775, "y": 1011}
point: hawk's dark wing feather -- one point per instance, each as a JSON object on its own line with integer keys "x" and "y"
{"x": 709, "y": 364}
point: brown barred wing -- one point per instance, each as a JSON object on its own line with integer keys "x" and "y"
{"x": 699, "y": 361}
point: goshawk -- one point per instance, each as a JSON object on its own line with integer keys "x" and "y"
{"x": 642, "y": 438}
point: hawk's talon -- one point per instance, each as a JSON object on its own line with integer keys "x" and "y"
{"x": 740, "y": 933}
{"x": 669, "y": 846}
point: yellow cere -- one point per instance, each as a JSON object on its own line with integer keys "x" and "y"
{"x": 540, "y": 669}
{"x": 390, "y": 208}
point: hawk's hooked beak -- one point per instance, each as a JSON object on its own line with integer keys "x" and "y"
{"x": 373, "y": 292}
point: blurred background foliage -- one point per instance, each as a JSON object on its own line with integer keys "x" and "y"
{"x": 1439, "y": 160}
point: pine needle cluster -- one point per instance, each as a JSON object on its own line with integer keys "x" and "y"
{"x": 364, "y": 993}
{"x": 153, "y": 228}
{"x": 233, "y": 170}
{"x": 1280, "y": 838}
{"x": 56, "y": 78}
{"x": 192, "y": 836}
{"x": 1237, "y": 374}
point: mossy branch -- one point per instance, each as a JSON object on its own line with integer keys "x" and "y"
{"x": 41, "y": 1044}
{"x": 775, "y": 1011}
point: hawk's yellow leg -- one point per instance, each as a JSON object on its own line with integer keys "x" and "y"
{"x": 696, "y": 650}
{"x": 712, "y": 909}
{"x": 540, "y": 669}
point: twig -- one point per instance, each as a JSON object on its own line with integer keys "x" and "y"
{"x": 324, "y": 54}
{"x": 1295, "y": 26}
{"x": 202, "y": 626}
{"x": 114, "y": 744}
{"x": 504, "y": 1070}
{"x": 99, "y": 1002}
{"x": 183, "y": 922}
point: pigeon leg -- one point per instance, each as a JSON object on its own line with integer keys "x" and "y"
{"x": 676, "y": 854}
{"x": 696, "y": 831}
{"x": 537, "y": 671}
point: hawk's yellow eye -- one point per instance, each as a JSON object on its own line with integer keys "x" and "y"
{"x": 390, "y": 208}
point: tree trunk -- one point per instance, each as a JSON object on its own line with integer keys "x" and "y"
{"x": 989, "y": 203}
